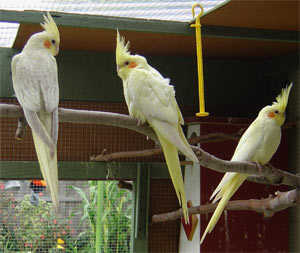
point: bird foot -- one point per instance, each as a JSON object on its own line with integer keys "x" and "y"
{"x": 138, "y": 122}
{"x": 259, "y": 166}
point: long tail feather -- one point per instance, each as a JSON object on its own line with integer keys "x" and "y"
{"x": 39, "y": 127}
{"x": 171, "y": 156}
{"x": 228, "y": 176}
{"x": 225, "y": 193}
{"x": 48, "y": 160}
{"x": 176, "y": 137}
{"x": 189, "y": 152}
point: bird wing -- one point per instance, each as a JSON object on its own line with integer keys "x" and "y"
{"x": 245, "y": 151}
{"x": 35, "y": 84}
{"x": 250, "y": 142}
{"x": 25, "y": 84}
{"x": 153, "y": 96}
{"x": 50, "y": 89}
{"x": 155, "y": 99}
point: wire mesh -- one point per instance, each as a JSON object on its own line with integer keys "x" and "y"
{"x": 27, "y": 221}
{"x": 8, "y": 32}
{"x": 77, "y": 142}
{"x": 163, "y": 237}
{"x": 28, "y": 224}
{"x": 176, "y": 10}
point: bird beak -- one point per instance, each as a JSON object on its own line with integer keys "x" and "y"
{"x": 118, "y": 67}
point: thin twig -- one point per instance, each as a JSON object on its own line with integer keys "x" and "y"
{"x": 216, "y": 137}
{"x": 127, "y": 154}
{"x": 267, "y": 206}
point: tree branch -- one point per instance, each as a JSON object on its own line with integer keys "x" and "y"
{"x": 268, "y": 206}
{"x": 211, "y": 137}
{"x": 270, "y": 174}
{"x": 87, "y": 117}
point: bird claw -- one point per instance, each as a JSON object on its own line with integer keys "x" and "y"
{"x": 138, "y": 122}
{"x": 259, "y": 166}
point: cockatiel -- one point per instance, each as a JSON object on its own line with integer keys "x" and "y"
{"x": 258, "y": 144}
{"x": 151, "y": 98}
{"x": 35, "y": 81}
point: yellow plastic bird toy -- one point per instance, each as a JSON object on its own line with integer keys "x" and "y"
{"x": 197, "y": 26}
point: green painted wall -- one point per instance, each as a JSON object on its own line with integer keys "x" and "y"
{"x": 92, "y": 76}
{"x": 6, "y": 89}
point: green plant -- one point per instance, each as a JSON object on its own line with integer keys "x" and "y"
{"x": 115, "y": 216}
{"x": 27, "y": 228}
{"x": 7, "y": 235}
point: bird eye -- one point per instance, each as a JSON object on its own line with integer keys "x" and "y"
{"x": 53, "y": 41}
{"x": 126, "y": 63}
{"x": 276, "y": 112}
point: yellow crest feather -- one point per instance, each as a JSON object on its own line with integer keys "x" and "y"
{"x": 50, "y": 26}
{"x": 283, "y": 98}
{"x": 122, "y": 50}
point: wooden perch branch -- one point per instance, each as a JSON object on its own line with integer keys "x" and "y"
{"x": 87, "y": 117}
{"x": 268, "y": 206}
{"x": 269, "y": 173}
{"x": 212, "y": 137}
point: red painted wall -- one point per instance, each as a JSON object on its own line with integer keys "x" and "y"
{"x": 247, "y": 231}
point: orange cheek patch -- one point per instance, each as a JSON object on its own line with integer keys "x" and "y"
{"x": 271, "y": 114}
{"x": 47, "y": 44}
{"x": 132, "y": 65}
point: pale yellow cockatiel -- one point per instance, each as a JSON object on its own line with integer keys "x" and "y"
{"x": 151, "y": 98}
{"x": 258, "y": 144}
{"x": 35, "y": 81}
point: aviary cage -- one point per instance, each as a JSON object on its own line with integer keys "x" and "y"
{"x": 245, "y": 49}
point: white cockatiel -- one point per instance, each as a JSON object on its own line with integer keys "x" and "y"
{"x": 151, "y": 98}
{"x": 35, "y": 81}
{"x": 258, "y": 144}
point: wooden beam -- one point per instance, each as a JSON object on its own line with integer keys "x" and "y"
{"x": 250, "y": 34}
{"x": 22, "y": 170}
{"x": 98, "y": 22}
{"x": 139, "y": 238}
{"x": 149, "y": 26}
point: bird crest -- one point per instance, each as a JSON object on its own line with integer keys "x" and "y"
{"x": 50, "y": 26}
{"x": 122, "y": 50}
{"x": 282, "y": 99}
